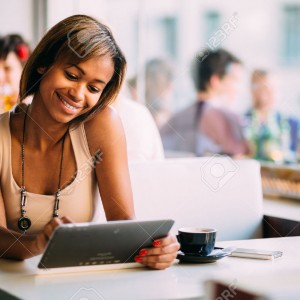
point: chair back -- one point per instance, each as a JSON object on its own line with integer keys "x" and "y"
{"x": 208, "y": 192}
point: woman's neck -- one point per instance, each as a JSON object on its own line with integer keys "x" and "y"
{"x": 42, "y": 130}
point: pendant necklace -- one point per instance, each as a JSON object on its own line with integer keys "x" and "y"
{"x": 24, "y": 222}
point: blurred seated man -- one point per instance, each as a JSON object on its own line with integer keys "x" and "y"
{"x": 272, "y": 136}
{"x": 208, "y": 126}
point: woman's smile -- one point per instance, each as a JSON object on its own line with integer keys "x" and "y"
{"x": 68, "y": 105}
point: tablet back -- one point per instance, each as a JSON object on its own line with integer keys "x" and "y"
{"x": 89, "y": 244}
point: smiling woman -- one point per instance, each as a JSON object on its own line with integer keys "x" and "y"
{"x": 74, "y": 73}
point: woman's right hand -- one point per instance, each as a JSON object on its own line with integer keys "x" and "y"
{"x": 41, "y": 240}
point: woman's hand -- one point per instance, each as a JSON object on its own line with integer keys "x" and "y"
{"x": 162, "y": 255}
{"x": 42, "y": 238}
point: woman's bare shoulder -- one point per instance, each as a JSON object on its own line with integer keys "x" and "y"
{"x": 104, "y": 127}
{"x": 103, "y": 120}
{"x": 16, "y": 118}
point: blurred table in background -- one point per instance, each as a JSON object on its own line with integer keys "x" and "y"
{"x": 281, "y": 180}
{"x": 281, "y": 189}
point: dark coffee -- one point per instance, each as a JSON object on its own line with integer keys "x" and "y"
{"x": 197, "y": 241}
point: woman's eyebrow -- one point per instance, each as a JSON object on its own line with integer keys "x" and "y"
{"x": 83, "y": 73}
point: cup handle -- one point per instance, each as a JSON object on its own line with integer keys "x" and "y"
{"x": 178, "y": 238}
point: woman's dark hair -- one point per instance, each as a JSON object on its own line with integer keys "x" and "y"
{"x": 14, "y": 43}
{"x": 75, "y": 39}
{"x": 209, "y": 63}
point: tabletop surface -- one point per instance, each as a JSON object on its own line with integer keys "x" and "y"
{"x": 181, "y": 281}
{"x": 282, "y": 208}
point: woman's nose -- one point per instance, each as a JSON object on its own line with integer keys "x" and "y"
{"x": 77, "y": 93}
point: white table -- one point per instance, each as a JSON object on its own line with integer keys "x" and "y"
{"x": 181, "y": 281}
{"x": 288, "y": 209}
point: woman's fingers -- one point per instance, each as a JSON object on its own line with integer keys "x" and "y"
{"x": 43, "y": 238}
{"x": 49, "y": 228}
{"x": 166, "y": 245}
{"x": 165, "y": 258}
{"x": 157, "y": 261}
{"x": 66, "y": 220}
{"x": 158, "y": 266}
{"x": 169, "y": 239}
{"x": 161, "y": 255}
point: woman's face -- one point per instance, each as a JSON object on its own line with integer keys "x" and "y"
{"x": 68, "y": 90}
{"x": 10, "y": 73}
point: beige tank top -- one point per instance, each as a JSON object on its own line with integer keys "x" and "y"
{"x": 78, "y": 200}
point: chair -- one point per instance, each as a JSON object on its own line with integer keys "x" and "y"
{"x": 215, "y": 192}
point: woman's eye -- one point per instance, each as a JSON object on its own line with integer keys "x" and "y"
{"x": 70, "y": 76}
{"x": 93, "y": 89}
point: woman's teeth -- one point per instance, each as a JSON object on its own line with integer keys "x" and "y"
{"x": 68, "y": 105}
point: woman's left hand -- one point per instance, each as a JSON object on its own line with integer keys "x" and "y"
{"x": 161, "y": 255}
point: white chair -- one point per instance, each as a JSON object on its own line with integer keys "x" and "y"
{"x": 212, "y": 192}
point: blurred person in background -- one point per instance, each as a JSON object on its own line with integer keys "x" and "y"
{"x": 14, "y": 52}
{"x": 208, "y": 126}
{"x": 158, "y": 89}
{"x": 142, "y": 136}
{"x": 272, "y": 136}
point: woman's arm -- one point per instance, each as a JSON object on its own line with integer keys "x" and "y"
{"x": 16, "y": 245}
{"x": 105, "y": 135}
{"x": 12, "y": 244}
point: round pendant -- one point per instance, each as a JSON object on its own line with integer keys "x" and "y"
{"x": 24, "y": 223}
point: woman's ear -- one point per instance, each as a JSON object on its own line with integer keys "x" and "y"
{"x": 41, "y": 70}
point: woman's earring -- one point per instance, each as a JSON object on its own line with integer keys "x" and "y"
{"x": 41, "y": 70}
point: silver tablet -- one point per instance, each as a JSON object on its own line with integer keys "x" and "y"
{"x": 91, "y": 244}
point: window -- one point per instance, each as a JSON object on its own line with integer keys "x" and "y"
{"x": 291, "y": 34}
{"x": 212, "y": 23}
{"x": 169, "y": 27}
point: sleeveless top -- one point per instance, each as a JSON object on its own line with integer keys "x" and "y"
{"x": 78, "y": 200}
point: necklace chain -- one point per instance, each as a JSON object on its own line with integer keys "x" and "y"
{"x": 24, "y": 222}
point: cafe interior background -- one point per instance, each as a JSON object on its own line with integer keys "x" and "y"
{"x": 263, "y": 34}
